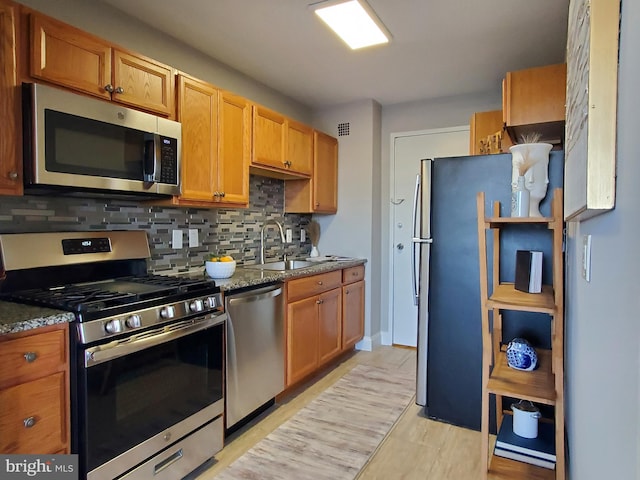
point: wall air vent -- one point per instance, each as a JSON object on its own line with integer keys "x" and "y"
{"x": 343, "y": 129}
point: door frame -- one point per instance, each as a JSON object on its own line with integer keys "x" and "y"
{"x": 387, "y": 337}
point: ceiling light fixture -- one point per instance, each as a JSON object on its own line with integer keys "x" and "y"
{"x": 354, "y": 21}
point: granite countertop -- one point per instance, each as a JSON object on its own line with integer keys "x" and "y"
{"x": 249, "y": 277}
{"x": 16, "y": 317}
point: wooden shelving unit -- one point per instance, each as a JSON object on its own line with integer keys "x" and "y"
{"x": 544, "y": 385}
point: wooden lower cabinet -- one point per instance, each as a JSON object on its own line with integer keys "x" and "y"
{"x": 302, "y": 339}
{"x": 34, "y": 391}
{"x": 329, "y": 325}
{"x": 352, "y": 314}
{"x": 325, "y": 317}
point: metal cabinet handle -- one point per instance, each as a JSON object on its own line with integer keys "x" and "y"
{"x": 109, "y": 88}
{"x": 29, "y": 422}
{"x": 320, "y": 282}
{"x": 30, "y": 356}
{"x": 319, "y": 301}
{"x": 13, "y": 175}
{"x": 119, "y": 90}
{"x": 346, "y": 292}
{"x": 222, "y": 194}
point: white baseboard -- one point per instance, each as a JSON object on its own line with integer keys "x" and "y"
{"x": 368, "y": 343}
{"x": 386, "y": 338}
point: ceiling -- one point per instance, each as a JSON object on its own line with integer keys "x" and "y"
{"x": 440, "y": 48}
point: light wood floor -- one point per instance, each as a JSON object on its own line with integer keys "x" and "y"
{"x": 416, "y": 448}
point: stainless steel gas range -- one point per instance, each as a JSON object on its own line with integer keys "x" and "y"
{"x": 147, "y": 351}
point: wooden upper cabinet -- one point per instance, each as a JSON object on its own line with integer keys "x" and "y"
{"x": 487, "y": 133}
{"x": 234, "y": 148}
{"x": 533, "y": 100}
{"x": 282, "y": 148}
{"x": 325, "y": 173}
{"x": 216, "y": 144}
{"x": 269, "y": 130}
{"x": 299, "y": 147}
{"x": 69, "y": 57}
{"x": 143, "y": 83}
{"x": 10, "y": 132}
{"x": 319, "y": 194}
{"x": 197, "y": 111}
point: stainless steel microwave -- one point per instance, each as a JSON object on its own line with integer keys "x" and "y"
{"x": 77, "y": 144}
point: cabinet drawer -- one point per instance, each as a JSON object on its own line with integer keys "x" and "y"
{"x": 34, "y": 356}
{"x": 32, "y": 418}
{"x": 309, "y": 286}
{"x": 353, "y": 274}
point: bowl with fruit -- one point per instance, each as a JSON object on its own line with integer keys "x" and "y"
{"x": 220, "y": 266}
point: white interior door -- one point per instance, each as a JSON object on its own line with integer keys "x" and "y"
{"x": 408, "y": 150}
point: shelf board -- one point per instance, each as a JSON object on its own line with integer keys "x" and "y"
{"x": 507, "y": 469}
{"x": 537, "y": 385}
{"x": 505, "y": 296}
{"x": 496, "y": 222}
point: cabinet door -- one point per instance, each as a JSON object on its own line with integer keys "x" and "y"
{"x": 234, "y": 148}
{"x": 299, "y": 156}
{"x": 69, "y": 57}
{"x": 197, "y": 111}
{"x": 10, "y": 162}
{"x": 302, "y": 338}
{"x": 142, "y": 83}
{"x": 535, "y": 96}
{"x": 329, "y": 325}
{"x": 325, "y": 173}
{"x": 353, "y": 314}
{"x": 268, "y": 138}
{"x": 33, "y": 416}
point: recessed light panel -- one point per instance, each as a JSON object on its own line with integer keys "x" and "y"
{"x": 355, "y": 22}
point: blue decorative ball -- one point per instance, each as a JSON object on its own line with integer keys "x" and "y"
{"x": 521, "y": 355}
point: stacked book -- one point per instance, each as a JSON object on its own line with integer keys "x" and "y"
{"x": 540, "y": 451}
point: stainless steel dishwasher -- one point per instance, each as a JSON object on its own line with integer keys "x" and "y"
{"x": 255, "y": 350}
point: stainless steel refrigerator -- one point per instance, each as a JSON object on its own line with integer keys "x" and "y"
{"x": 446, "y": 278}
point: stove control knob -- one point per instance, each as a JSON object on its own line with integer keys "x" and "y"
{"x": 113, "y": 326}
{"x": 212, "y": 302}
{"x": 196, "y": 306}
{"x": 168, "y": 312}
{"x": 134, "y": 321}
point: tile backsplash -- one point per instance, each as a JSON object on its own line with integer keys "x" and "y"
{"x": 233, "y": 232}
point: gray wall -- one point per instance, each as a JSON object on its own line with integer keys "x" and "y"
{"x": 351, "y": 232}
{"x": 603, "y": 319}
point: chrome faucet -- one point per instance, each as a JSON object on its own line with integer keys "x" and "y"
{"x": 266, "y": 224}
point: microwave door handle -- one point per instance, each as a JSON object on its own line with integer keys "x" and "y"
{"x": 151, "y": 156}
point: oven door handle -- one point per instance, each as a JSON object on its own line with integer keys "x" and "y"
{"x": 118, "y": 348}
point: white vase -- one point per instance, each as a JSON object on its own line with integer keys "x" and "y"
{"x": 520, "y": 199}
{"x": 537, "y": 176}
{"x": 314, "y": 251}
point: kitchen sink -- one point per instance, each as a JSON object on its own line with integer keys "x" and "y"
{"x": 282, "y": 265}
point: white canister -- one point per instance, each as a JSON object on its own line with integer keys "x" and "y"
{"x": 525, "y": 419}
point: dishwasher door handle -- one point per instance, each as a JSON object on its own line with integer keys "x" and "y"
{"x": 253, "y": 296}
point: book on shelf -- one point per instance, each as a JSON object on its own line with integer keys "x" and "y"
{"x": 521, "y": 457}
{"x": 528, "y": 271}
{"x": 540, "y": 451}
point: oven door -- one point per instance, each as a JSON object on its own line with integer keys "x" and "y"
{"x": 139, "y": 395}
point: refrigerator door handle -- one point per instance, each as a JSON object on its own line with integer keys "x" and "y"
{"x": 414, "y": 275}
